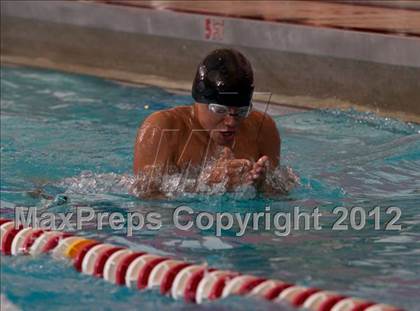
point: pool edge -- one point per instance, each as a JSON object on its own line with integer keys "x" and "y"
{"x": 296, "y": 103}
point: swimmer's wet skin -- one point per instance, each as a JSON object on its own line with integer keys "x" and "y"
{"x": 219, "y": 139}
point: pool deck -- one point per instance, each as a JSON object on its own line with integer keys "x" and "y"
{"x": 368, "y": 16}
{"x": 307, "y": 54}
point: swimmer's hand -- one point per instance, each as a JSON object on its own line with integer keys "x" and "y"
{"x": 257, "y": 174}
{"x": 237, "y": 172}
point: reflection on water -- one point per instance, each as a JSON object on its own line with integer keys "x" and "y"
{"x": 66, "y": 143}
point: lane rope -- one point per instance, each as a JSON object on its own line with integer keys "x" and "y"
{"x": 195, "y": 283}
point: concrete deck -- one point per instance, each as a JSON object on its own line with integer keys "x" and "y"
{"x": 386, "y": 17}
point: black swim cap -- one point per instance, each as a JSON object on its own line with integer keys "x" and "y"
{"x": 224, "y": 77}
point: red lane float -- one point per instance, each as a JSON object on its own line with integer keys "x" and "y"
{"x": 46, "y": 242}
{"x": 146, "y": 269}
{"x": 241, "y": 285}
{"x": 8, "y": 232}
{"x": 3, "y": 221}
{"x": 179, "y": 279}
{"x": 269, "y": 289}
{"x": 111, "y": 265}
{"x": 160, "y": 272}
{"x": 212, "y": 285}
{"x": 81, "y": 253}
{"x": 122, "y": 267}
{"x": 135, "y": 268}
{"x": 191, "y": 286}
{"x": 323, "y": 301}
{"x": 24, "y": 240}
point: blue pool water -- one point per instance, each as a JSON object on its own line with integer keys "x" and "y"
{"x": 73, "y": 135}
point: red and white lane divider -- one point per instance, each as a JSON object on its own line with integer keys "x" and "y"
{"x": 176, "y": 278}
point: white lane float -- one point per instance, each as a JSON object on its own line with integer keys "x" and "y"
{"x": 47, "y": 241}
{"x": 350, "y": 304}
{"x": 123, "y": 265}
{"x": 182, "y": 281}
{"x": 7, "y": 232}
{"x": 160, "y": 271}
{"x": 381, "y": 307}
{"x": 241, "y": 285}
{"x": 323, "y": 300}
{"x": 212, "y": 285}
{"x": 60, "y": 252}
{"x": 296, "y": 295}
{"x": 110, "y": 268}
{"x": 139, "y": 270}
{"x": 269, "y": 289}
{"x": 179, "y": 279}
{"x": 94, "y": 261}
{"x": 24, "y": 240}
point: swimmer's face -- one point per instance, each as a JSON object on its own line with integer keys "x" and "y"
{"x": 223, "y": 127}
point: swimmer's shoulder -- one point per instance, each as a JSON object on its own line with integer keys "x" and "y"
{"x": 173, "y": 118}
{"x": 262, "y": 120}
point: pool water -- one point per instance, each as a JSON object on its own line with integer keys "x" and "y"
{"x": 72, "y": 135}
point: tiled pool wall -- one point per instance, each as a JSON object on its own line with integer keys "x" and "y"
{"x": 302, "y": 66}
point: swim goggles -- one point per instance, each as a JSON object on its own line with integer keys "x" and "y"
{"x": 222, "y": 110}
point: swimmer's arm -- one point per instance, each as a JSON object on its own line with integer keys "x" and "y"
{"x": 152, "y": 146}
{"x": 270, "y": 145}
{"x": 153, "y": 154}
{"x": 269, "y": 141}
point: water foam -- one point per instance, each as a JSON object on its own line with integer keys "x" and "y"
{"x": 171, "y": 185}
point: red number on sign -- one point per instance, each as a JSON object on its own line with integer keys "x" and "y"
{"x": 213, "y": 29}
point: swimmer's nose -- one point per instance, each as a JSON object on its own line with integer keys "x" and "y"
{"x": 230, "y": 121}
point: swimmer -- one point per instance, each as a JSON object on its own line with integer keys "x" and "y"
{"x": 220, "y": 133}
